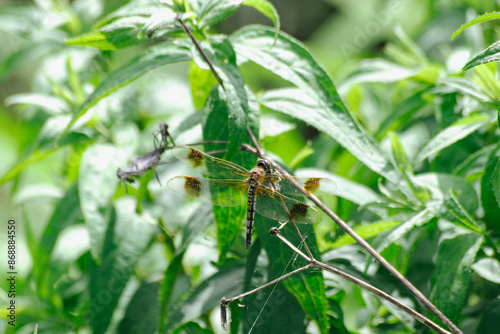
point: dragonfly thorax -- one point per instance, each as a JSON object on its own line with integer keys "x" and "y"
{"x": 255, "y": 177}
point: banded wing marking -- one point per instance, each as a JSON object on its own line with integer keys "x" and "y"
{"x": 314, "y": 185}
{"x": 269, "y": 204}
{"x": 209, "y": 165}
{"x": 216, "y": 192}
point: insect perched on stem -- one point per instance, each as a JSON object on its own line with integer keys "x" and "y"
{"x": 263, "y": 191}
{"x": 143, "y": 163}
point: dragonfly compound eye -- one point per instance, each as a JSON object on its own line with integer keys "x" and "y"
{"x": 261, "y": 163}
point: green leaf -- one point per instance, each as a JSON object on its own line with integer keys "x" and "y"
{"x": 490, "y": 318}
{"x": 488, "y": 268}
{"x": 266, "y": 8}
{"x": 466, "y": 87}
{"x": 336, "y": 124}
{"x": 366, "y": 231}
{"x": 399, "y": 155}
{"x": 450, "y": 279}
{"x": 450, "y": 135}
{"x": 97, "y": 184}
{"x": 191, "y": 328}
{"x": 418, "y": 194}
{"x": 460, "y": 214}
{"x": 127, "y": 237}
{"x": 275, "y": 300}
{"x": 119, "y": 34}
{"x": 479, "y": 19}
{"x": 142, "y": 312}
{"x": 227, "y": 282}
{"x": 154, "y": 57}
{"x": 488, "y": 199}
{"x": 411, "y": 45}
{"x": 475, "y": 163}
{"x": 210, "y": 12}
{"x": 163, "y": 19}
{"x": 144, "y": 8}
{"x": 243, "y": 110}
{"x": 402, "y": 112}
{"x": 19, "y": 166}
{"x": 197, "y": 223}
{"x": 307, "y": 286}
{"x": 65, "y": 214}
{"x": 439, "y": 186}
{"x": 379, "y": 70}
{"x": 201, "y": 82}
{"x": 495, "y": 182}
{"x": 491, "y": 53}
{"x": 305, "y": 152}
{"x": 386, "y": 239}
{"x": 167, "y": 287}
{"x": 49, "y": 103}
{"x": 33, "y": 51}
{"x": 195, "y": 226}
{"x": 216, "y": 126}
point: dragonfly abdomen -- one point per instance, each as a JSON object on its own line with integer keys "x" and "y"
{"x": 251, "y": 202}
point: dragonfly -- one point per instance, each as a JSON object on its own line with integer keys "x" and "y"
{"x": 272, "y": 195}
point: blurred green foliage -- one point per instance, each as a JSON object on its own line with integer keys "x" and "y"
{"x": 409, "y": 137}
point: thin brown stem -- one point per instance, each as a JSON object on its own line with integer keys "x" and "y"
{"x": 203, "y": 54}
{"x": 419, "y": 295}
{"x": 429, "y": 323}
{"x": 291, "y": 273}
{"x": 225, "y": 302}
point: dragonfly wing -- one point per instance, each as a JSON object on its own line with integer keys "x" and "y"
{"x": 313, "y": 185}
{"x": 217, "y": 192}
{"x": 270, "y": 205}
{"x": 209, "y": 165}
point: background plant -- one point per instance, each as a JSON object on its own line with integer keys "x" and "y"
{"x": 415, "y": 160}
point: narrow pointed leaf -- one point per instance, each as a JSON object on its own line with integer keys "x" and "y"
{"x": 450, "y": 279}
{"x": 117, "y": 35}
{"x": 488, "y": 268}
{"x": 491, "y": 53}
{"x": 127, "y": 237}
{"x": 479, "y": 19}
{"x": 139, "y": 8}
{"x": 167, "y": 53}
{"x": 266, "y": 8}
{"x": 450, "y": 135}
{"x": 489, "y": 182}
{"x": 225, "y": 283}
{"x": 365, "y": 232}
{"x": 51, "y": 104}
{"x": 210, "y": 12}
{"x": 97, "y": 184}
{"x": 490, "y": 318}
{"x": 336, "y": 124}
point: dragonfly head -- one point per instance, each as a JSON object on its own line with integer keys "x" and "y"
{"x": 261, "y": 163}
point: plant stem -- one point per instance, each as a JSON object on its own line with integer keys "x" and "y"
{"x": 419, "y": 295}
